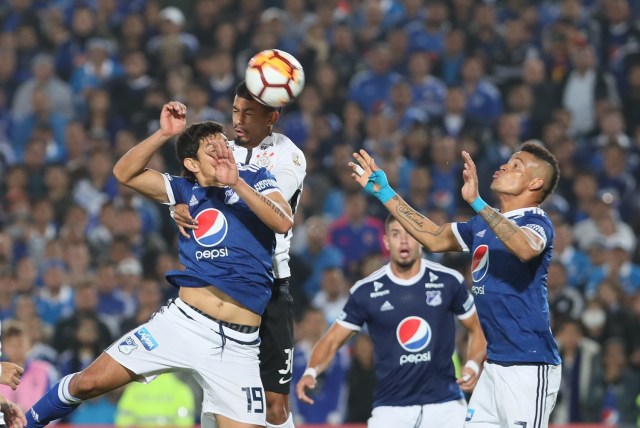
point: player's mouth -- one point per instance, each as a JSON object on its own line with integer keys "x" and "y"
{"x": 239, "y": 132}
{"x": 404, "y": 252}
{"x": 496, "y": 174}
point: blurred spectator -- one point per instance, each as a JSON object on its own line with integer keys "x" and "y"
{"x": 575, "y": 261}
{"x": 98, "y": 69}
{"x": 316, "y": 254}
{"x": 55, "y": 298}
{"x": 428, "y": 92}
{"x": 38, "y": 375}
{"x": 55, "y": 89}
{"x": 330, "y": 391}
{"x": 483, "y": 100}
{"x": 618, "y": 267}
{"x": 581, "y": 375}
{"x": 172, "y": 23}
{"x": 453, "y": 122}
{"x": 564, "y": 301}
{"x": 603, "y": 223}
{"x": 86, "y": 304}
{"x": 149, "y": 299}
{"x": 584, "y": 86}
{"x": 333, "y": 293}
{"x": 356, "y": 234}
{"x": 371, "y": 87}
{"x": 361, "y": 380}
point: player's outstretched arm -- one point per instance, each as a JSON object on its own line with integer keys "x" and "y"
{"x": 477, "y": 351}
{"x": 374, "y": 181}
{"x": 272, "y": 209}
{"x": 10, "y": 374}
{"x": 321, "y": 356}
{"x": 130, "y": 169}
{"x": 521, "y": 241}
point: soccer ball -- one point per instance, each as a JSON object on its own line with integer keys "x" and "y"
{"x": 274, "y": 77}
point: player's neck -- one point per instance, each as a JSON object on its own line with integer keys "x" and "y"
{"x": 405, "y": 272}
{"x": 507, "y": 203}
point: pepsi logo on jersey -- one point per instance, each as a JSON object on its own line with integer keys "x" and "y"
{"x": 212, "y": 227}
{"x": 414, "y": 334}
{"x": 480, "y": 262}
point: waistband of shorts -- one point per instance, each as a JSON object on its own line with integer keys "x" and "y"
{"x": 281, "y": 285}
{"x": 245, "y": 333}
{"x": 518, "y": 363}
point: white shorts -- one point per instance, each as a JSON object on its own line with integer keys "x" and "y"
{"x": 514, "y": 396}
{"x": 449, "y": 414}
{"x": 223, "y": 361}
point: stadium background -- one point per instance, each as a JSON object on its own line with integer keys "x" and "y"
{"x": 412, "y": 81}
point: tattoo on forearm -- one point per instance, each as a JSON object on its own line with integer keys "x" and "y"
{"x": 415, "y": 220}
{"x": 502, "y": 226}
{"x": 274, "y": 207}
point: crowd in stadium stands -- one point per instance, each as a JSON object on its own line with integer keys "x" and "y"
{"x": 414, "y": 82}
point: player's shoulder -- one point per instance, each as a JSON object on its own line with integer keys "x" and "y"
{"x": 437, "y": 272}
{"x": 369, "y": 282}
{"x": 252, "y": 173}
{"x": 526, "y": 212}
{"x": 284, "y": 146}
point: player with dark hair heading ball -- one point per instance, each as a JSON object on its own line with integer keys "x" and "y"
{"x": 211, "y": 329}
{"x": 257, "y": 144}
{"x": 511, "y": 250}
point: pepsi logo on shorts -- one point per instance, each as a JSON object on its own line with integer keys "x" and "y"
{"x": 212, "y": 227}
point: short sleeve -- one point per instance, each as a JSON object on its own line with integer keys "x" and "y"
{"x": 175, "y": 188}
{"x": 540, "y": 225}
{"x": 264, "y": 182}
{"x": 464, "y": 234}
{"x": 353, "y": 315}
{"x": 462, "y": 303}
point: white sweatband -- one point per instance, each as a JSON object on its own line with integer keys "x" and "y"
{"x": 470, "y": 364}
{"x": 311, "y": 372}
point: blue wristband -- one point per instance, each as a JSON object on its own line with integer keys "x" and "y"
{"x": 478, "y": 204}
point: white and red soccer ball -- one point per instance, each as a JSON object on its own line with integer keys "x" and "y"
{"x": 274, "y": 77}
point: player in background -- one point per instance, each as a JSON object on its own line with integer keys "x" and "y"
{"x": 511, "y": 250}
{"x": 212, "y": 328}
{"x": 409, "y": 306}
{"x": 257, "y": 144}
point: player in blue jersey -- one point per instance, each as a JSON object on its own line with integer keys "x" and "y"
{"x": 511, "y": 250}
{"x": 409, "y": 306}
{"x": 257, "y": 144}
{"x": 211, "y": 330}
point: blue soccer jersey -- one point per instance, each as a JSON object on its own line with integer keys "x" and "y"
{"x": 232, "y": 248}
{"x": 412, "y": 326}
{"x": 511, "y": 295}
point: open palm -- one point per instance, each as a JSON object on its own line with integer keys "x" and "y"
{"x": 221, "y": 157}
{"x": 173, "y": 118}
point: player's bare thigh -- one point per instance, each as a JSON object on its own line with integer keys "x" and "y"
{"x": 224, "y": 422}
{"x": 103, "y": 375}
{"x": 219, "y": 305}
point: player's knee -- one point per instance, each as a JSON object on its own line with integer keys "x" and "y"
{"x": 86, "y": 385}
{"x": 277, "y": 409}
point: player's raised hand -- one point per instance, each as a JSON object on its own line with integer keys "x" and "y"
{"x": 181, "y": 215}
{"x": 470, "y": 176}
{"x": 11, "y": 374}
{"x": 371, "y": 177}
{"x": 173, "y": 118}
{"x": 221, "y": 157}
{"x": 307, "y": 381}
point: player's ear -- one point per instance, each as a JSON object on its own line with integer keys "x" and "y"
{"x": 385, "y": 239}
{"x": 191, "y": 165}
{"x": 536, "y": 184}
{"x": 273, "y": 117}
